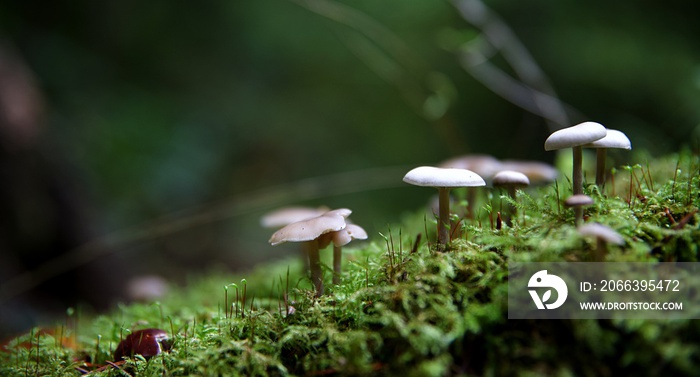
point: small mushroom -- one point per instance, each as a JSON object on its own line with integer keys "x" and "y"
{"x": 603, "y": 235}
{"x": 510, "y": 181}
{"x": 577, "y": 202}
{"x": 536, "y": 171}
{"x": 575, "y": 137}
{"x": 340, "y": 239}
{"x": 146, "y": 288}
{"x": 310, "y": 231}
{"x": 614, "y": 139}
{"x": 482, "y": 164}
{"x": 287, "y": 215}
{"x": 443, "y": 179}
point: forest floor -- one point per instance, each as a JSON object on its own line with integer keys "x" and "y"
{"x": 404, "y": 308}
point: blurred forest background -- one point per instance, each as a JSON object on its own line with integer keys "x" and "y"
{"x": 142, "y": 138}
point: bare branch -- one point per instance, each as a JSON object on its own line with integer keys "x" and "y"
{"x": 533, "y": 92}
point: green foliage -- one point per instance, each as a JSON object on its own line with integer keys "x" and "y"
{"x": 406, "y": 309}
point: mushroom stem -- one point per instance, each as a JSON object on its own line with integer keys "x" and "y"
{"x": 304, "y": 252}
{"x": 337, "y": 255}
{"x": 471, "y": 199}
{"x": 315, "y": 267}
{"x": 600, "y": 167}
{"x": 601, "y": 249}
{"x": 510, "y": 210}
{"x": 577, "y": 179}
{"x": 443, "y": 215}
{"x": 578, "y": 215}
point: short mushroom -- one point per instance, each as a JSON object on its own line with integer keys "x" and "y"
{"x": 614, "y": 139}
{"x": 339, "y": 239}
{"x": 603, "y": 235}
{"x": 574, "y": 137}
{"x": 287, "y": 215}
{"x": 536, "y": 171}
{"x": 310, "y": 231}
{"x": 443, "y": 179}
{"x": 482, "y": 164}
{"x": 146, "y": 288}
{"x": 577, "y": 202}
{"x": 510, "y": 181}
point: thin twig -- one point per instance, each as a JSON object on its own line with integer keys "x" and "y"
{"x": 533, "y": 92}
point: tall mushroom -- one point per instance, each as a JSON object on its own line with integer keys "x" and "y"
{"x": 614, "y": 139}
{"x": 339, "y": 239}
{"x": 575, "y": 137}
{"x": 443, "y": 180}
{"x": 510, "y": 181}
{"x": 310, "y": 231}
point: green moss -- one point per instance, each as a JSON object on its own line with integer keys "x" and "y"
{"x": 413, "y": 313}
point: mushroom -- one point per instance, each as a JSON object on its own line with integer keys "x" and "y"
{"x": 536, "y": 171}
{"x": 511, "y": 181}
{"x": 443, "y": 179}
{"x": 614, "y": 139}
{"x": 310, "y": 231}
{"x": 146, "y": 288}
{"x": 574, "y": 137}
{"x": 340, "y": 239}
{"x": 603, "y": 235}
{"x": 287, "y": 215}
{"x": 577, "y": 202}
{"x": 482, "y": 164}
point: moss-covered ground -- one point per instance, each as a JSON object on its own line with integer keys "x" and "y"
{"x": 404, "y": 308}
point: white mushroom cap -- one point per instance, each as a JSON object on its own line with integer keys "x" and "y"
{"x": 482, "y": 164}
{"x": 510, "y": 178}
{"x": 310, "y": 229}
{"x": 536, "y": 171}
{"x": 429, "y": 176}
{"x": 614, "y": 139}
{"x": 351, "y": 232}
{"x": 344, "y": 212}
{"x": 574, "y": 136}
{"x": 600, "y": 231}
{"x": 146, "y": 288}
{"x": 578, "y": 200}
{"x": 285, "y": 216}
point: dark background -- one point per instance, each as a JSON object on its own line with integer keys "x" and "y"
{"x": 149, "y": 137}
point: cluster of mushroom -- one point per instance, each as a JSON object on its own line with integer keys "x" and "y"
{"x": 319, "y": 227}
{"x": 589, "y": 135}
{"x": 474, "y": 171}
{"x": 316, "y": 228}
{"x": 508, "y": 175}
{"x": 586, "y": 135}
